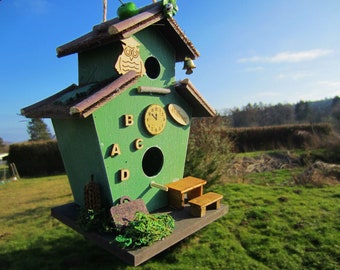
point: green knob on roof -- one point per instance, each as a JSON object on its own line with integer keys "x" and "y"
{"x": 127, "y": 10}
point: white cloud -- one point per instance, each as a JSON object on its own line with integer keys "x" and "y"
{"x": 255, "y": 69}
{"x": 330, "y": 84}
{"x": 288, "y": 57}
{"x": 294, "y": 76}
{"x": 251, "y": 59}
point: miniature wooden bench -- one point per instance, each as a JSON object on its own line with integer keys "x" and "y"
{"x": 209, "y": 200}
{"x": 190, "y": 186}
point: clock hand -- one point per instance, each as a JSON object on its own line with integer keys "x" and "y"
{"x": 155, "y": 116}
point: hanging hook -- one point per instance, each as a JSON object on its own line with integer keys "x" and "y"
{"x": 104, "y": 10}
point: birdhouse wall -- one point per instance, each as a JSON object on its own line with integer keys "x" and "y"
{"x": 155, "y": 46}
{"x": 169, "y": 148}
{"x": 113, "y": 131}
{"x": 98, "y": 64}
{"x": 82, "y": 157}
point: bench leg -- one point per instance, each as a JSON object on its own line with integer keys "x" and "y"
{"x": 176, "y": 199}
{"x": 197, "y": 211}
{"x": 214, "y": 205}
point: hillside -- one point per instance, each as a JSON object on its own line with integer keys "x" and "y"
{"x": 327, "y": 110}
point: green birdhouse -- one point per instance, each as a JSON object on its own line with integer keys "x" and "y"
{"x": 127, "y": 121}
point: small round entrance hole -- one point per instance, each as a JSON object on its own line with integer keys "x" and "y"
{"x": 152, "y": 162}
{"x": 152, "y": 67}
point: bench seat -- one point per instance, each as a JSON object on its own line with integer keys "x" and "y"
{"x": 210, "y": 200}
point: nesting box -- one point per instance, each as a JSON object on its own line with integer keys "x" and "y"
{"x": 127, "y": 120}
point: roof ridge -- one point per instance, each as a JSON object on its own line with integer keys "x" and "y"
{"x": 115, "y": 30}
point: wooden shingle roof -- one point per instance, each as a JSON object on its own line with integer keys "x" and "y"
{"x": 114, "y": 30}
{"x": 82, "y": 101}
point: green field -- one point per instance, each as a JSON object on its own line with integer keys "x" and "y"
{"x": 267, "y": 227}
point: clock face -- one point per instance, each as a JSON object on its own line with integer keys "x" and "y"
{"x": 155, "y": 119}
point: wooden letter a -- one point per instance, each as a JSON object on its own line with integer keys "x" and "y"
{"x": 115, "y": 150}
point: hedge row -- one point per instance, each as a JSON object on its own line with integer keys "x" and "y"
{"x": 36, "y": 158}
{"x": 43, "y": 158}
{"x": 277, "y": 137}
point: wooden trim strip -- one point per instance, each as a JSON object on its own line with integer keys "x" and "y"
{"x": 153, "y": 90}
{"x": 134, "y": 24}
{"x": 159, "y": 186}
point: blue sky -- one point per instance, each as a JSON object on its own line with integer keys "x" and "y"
{"x": 270, "y": 51}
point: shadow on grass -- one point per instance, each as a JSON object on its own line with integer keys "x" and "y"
{"x": 26, "y": 216}
{"x": 71, "y": 252}
{"x": 60, "y": 253}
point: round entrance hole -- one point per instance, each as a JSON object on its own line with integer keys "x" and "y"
{"x": 152, "y": 67}
{"x": 152, "y": 162}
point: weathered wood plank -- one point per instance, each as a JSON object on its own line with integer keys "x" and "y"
{"x": 185, "y": 225}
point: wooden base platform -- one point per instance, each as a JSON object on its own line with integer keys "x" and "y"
{"x": 185, "y": 225}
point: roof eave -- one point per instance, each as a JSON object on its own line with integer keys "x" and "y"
{"x": 200, "y": 107}
{"x": 51, "y": 108}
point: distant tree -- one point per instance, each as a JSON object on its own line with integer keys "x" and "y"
{"x": 302, "y": 111}
{"x": 246, "y": 117}
{"x": 237, "y": 118}
{"x": 259, "y": 114}
{"x": 335, "y": 111}
{"x": 38, "y": 130}
{"x": 2, "y": 145}
{"x": 252, "y": 114}
{"x": 336, "y": 108}
{"x": 284, "y": 114}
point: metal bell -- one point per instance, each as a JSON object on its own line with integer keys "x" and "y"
{"x": 188, "y": 65}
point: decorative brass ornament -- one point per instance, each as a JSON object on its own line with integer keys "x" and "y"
{"x": 130, "y": 58}
{"x": 188, "y": 65}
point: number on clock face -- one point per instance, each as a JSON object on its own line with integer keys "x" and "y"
{"x": 155, "y": 119}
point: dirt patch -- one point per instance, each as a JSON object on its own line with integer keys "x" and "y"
{"x": 317, "y": 174}
{"x": 263, "y": 163}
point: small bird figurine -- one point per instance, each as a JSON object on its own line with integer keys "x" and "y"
{"x": 170, "y": 8}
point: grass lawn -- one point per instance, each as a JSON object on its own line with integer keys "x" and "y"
{"x": 267, "y": 227}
